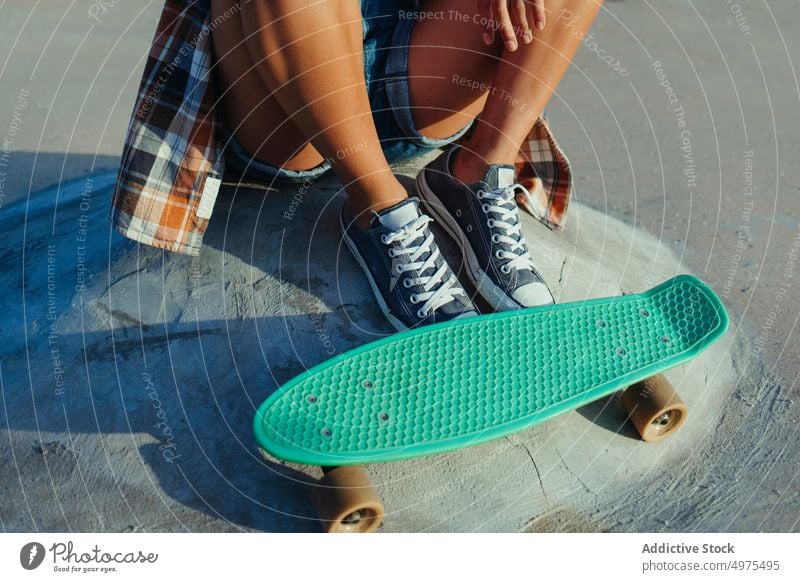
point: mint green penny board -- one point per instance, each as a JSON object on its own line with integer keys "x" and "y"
{"x": 458, "y": 384}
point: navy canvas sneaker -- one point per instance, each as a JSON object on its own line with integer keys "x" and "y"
{"x": 484, "y": 220}
{"x": 408, "y": 275}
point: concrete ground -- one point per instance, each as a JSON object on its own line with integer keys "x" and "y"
{"x": 679, "y": 120}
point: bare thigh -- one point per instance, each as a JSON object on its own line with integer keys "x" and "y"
{"x": 445, "y": 55}
{"x": 258, "y": 122}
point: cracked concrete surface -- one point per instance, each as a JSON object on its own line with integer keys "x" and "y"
{"x": 162, "y": 359}
{"x": 165, "y": 357}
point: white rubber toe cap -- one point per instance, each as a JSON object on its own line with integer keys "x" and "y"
{"x": 532, "y": 294}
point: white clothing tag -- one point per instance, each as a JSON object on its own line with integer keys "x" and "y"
{"x": 208, "y": 197}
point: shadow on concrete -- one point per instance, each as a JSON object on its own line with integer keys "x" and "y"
{"x": 134, "y": 400}
{"x": 129, "y": 375}
{"x": 146, "y": 367}
{"x": 607, "y": 413}
{"x": 26, "y": 172}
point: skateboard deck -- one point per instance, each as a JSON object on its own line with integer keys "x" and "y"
{"x": 458, "y": 384}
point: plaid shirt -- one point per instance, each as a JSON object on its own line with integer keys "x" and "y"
{"x": 172, "y": 162}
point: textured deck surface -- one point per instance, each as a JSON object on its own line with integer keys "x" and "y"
{"x": 454, "y": 385}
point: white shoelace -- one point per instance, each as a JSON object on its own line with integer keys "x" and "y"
{"x": 436, "y": 291}
{"x": 502, "y": 202}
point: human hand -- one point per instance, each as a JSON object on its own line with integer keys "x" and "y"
{"x": 511, "y": 20}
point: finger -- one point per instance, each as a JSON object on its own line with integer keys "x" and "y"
{"x": 500, "y": 9}
{"x": 523, "y": 28}
{"x": 485, "y": 11}
{"x": 538, "y": 14}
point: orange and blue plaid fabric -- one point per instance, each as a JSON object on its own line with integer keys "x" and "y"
{"x": 172, "y": 161}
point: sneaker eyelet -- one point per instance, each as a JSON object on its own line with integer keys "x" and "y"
{"x": 495, "y": 238}
{"x": 458, "y": 213}
{"x": 384, "y": 239}
{"x": 391, "y": 253}
{"x": 407, "y": 283}
{"x": 505, "y": 270}
{"x": 469, "y": 228}
{"x": 481, "y": 194}
{"x": 490, "y": 223}
{"x": 398, "y": 269}
{"x": 498, "y": 253}
{"x": 421, "y": 313}
{"x": 413, "y": 298}
{"x": 485, "y": 207}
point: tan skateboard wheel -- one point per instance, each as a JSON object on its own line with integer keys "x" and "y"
{"x": 346, "y": 501}
{"x": 654, "y": 408}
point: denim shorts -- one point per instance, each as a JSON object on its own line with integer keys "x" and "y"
{"x": 387, "y": 34}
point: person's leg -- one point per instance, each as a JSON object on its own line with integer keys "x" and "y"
{"x": 256, "y": 119}
{"x": 310, "y": 55}
{"x": 471, "y": 189}
{"x": 449, "y": 69}
{"x": 448, "y": 60}
{"x": 305, "y": 63}
{"x": 308, "y": 58}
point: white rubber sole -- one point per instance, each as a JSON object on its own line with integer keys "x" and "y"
{"x": 393, "y": 321}
{"x": 493, "y": 294}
